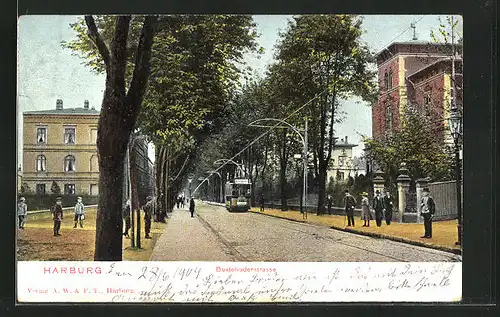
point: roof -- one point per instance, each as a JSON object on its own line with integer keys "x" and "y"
{"x": 431, "y": 65}
{"x": 342, "y": 144}
{"x": 436, "y": 46}
{"x": 66, "y": 111}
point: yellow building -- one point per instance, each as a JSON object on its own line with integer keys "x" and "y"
{"x": 60, "y": 145}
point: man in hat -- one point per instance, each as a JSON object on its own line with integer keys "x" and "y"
{"x": 148, "y": 213}
{"x": 329, "y": 201}
{"x": 388, "y": 207}
{"x": 350, "y": 204}
{"x": 427, "y": 209}
{"x": 378, "y": 206}
{"x": 79, "y": 212}
{"x": 126, "y": 218}
{"x": 22, "y": 212}
{"x": 57, "y": 216}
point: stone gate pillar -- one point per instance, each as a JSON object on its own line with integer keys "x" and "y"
{"x": 403, "y": 187}
{"x": 421, "y": 184}
{"x": 378, "y": 182}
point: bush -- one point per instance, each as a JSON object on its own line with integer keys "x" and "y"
{"x": 46, "y": 201}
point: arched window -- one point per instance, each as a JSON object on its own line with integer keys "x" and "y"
{"x": 41, "y": 163}
{"x": 94, "y": 164}
{"x": 390, "y": 79}
{"x": 69, "y": 163}
{"x": 388, "y": 119}
{"x": 386, "y": 81}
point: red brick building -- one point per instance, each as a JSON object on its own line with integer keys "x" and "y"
{"x": 419, "y": 74}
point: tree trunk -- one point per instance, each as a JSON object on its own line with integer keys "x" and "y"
{"x": 321, "y": 188}
{"x": 119, "y": 111}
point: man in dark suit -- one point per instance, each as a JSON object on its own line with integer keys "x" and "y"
{"x": 350, "y": 204}
{"x": 57, "y": 216}
{"x": 378, "y": 205}
{"x": 427, "y": 209}
{"x": 388, "y": 207}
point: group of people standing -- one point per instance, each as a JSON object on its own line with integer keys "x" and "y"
{"x": 149, "y": 211}
{"x": 56, "y": 211}
{"x": 383, "y": 207}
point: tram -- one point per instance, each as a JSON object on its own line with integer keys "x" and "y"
{"x": 238, "y": 195}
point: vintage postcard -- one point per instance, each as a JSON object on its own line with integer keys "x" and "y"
{"x": 239, "y": 158}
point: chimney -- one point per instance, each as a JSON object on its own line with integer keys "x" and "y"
{"x": 59, "y": 104}
{"x": 346, "y": 139}
{"x": 86, "y": 105}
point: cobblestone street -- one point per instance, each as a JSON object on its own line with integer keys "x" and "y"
{"x": 217, "y": 235}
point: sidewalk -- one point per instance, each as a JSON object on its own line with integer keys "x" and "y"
{"x": 188, "y": 239}
{"x": 443, "y": 237}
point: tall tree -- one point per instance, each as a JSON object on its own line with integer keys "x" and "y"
{"x": 119, "y": 111}
{"x": 327, "y": 51}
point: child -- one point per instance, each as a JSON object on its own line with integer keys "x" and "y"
{"x": 22, "y": 212}
{"x": 57, "y": 215}
{"x": 79, "y": 212}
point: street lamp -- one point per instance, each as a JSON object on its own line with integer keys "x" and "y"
{"x": 455, "y": 123}
{"x": 190, "y": 180}
{"x": 303, "y": 138}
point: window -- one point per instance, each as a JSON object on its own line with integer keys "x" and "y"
{"x": 390, "y": 79}
{"x": 94, "y": 190}
{"x": 340, "y": 176}
{"x": 41, "y": 163}
{"x": 40, "y": 189}
{"x": 69, "y": 163}
{"x": 427, "y": 103}
{"x": 388, "y": 119}
{"x": 69, "y": 135}
{"x": 94, "y": 164}
{"x": 386, "y": 81}
{"x": 93, "y": 136}
{"x": 41, "y": 135}
{"x": 69, "y": 189}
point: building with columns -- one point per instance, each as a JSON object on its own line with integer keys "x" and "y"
{"x": 60, "y": 146}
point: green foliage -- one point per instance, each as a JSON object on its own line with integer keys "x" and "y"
{"x": 415, "y": 144}
{"x": 55, "y": 189}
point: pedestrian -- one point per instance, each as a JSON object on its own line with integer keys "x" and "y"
{"x": 427, "y": 209}
{"x": 329, "y": 201}
{"x": 178, "y": 202}
{"x": 22, "y": 212}
{"x": 148, "y": 213}
{"x": 261, "y": 202}
{"x": 378, "y": 206}
{"x": 388, "y": 207}
{"x": 191, "y": 207}
{"x": 79, "y": 212}
{"x": 365, "y": 210}
{"x": 126, "y": 218}
{"x": 350, "y": 204}
{"x": 182, "y": 201}
{"x": 57, "y": 216}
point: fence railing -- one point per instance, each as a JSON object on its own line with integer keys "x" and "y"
{"x": 445, "y": 198}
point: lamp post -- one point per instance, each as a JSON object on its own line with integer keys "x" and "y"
{"x": 190, "y": 179}
{"x": 455, "y": 123}
{"x": 303, "y": 138}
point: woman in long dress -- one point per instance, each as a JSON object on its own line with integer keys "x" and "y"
{"x": 365, "y": 210}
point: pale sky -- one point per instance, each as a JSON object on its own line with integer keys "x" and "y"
{"x": 47, "y": 72}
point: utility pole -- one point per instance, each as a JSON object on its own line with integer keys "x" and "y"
{"x": 304, "y": 192}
